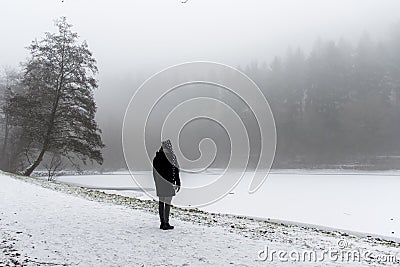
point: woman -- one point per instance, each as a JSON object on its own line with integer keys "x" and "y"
{"x": 166, "y": 178}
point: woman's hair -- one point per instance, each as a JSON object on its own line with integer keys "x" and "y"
{"x": 166, "y": 145}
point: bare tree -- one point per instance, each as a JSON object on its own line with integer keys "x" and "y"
{"x": 53, "y": 165}
{"x": 9, "y": 86}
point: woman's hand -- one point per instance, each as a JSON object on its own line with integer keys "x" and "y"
{"x": 177, "y": 188}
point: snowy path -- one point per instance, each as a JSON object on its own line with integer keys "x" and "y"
{"x": 42, "y": 227}
{"x": 363, "y": 202}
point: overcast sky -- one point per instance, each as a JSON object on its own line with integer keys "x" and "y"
{"x": 132, "y": 34}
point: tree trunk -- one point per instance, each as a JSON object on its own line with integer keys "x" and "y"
{"x": 46, "y": 142}
{"x": 3, "y": 150}
{"x": 36, "y": 163}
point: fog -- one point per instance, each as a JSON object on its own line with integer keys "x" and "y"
{"x": 131, "y": 40}
{"x": 132, "y": 35}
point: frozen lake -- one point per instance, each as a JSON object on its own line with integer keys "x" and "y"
{"x": 364, "y": 202}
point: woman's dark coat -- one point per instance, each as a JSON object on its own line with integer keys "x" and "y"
{"x": 165, "y": 175}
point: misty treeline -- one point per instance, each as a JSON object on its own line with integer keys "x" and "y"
{"x": 340, "y": 104}
{"x": 336, "y": 105}
{"x": 47, "y": 108}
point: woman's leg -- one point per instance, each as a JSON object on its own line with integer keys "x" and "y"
{"x": 167, "y": 209}
{"x": 161, "y": 208}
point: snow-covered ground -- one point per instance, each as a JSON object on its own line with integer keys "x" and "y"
{"x": 362, "y": 202}
{"x": 49, "y": 223}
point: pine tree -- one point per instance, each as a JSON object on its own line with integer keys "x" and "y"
{"x": 59, "y": 81}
